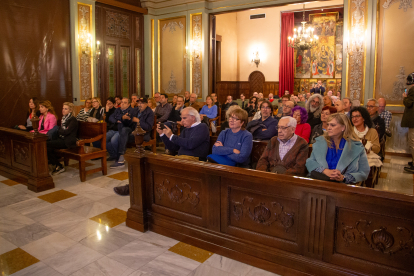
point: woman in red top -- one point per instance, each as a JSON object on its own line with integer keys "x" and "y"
{"x": 302, "y": 129}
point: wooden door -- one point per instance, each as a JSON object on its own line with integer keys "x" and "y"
{"x": 120, "y": 67}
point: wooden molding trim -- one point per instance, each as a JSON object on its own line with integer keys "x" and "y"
{"x": 123, "y": 6}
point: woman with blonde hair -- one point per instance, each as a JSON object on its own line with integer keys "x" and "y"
{"x": 48, "y": 118}
{"x": 66, "y": 137}
{"x": 84, "y": 112}
{"x": 97, "y": 110}
{"x": 152, "y": 104}
{"x": 225, "y": 124}
{"x": 338, "y": 155}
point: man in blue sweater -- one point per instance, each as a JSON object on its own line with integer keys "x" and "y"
{"x": 265, "y": 127}
{"x": 193, "y": 141}
{"x": 144, "y": 115}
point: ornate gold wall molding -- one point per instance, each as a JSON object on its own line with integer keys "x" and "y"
{"x": 85, "y": 51}
{"x": 356, "y": 59}
{"x": 196, "y": 72}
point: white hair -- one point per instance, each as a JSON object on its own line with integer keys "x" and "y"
{"x": 374, "y": 100}
{"x": 192, "y": 112}
{"x": 292, "y": 121}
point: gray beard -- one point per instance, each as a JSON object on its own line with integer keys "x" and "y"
{"x": 312, "y": 109}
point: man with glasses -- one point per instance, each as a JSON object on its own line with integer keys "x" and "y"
{"x": 193, "y": 102}
{"x": 286, "y": 109}
{"x": 285, "y": 99}
{"x": 276, "y": 159}
{"x": 314, "y": 107}
{"x": 379, "y": 124}
{"x": 265, "y": 127}
{"x": 385, "y": 115}
{"x": 229, "y": 102}
{"x": 186, "y": 97}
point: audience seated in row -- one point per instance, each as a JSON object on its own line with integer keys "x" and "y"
{"x": 320, "y": 129}
{"x": 31, "y": 113}
{"x": 338, "y": 155}
{"x": 234, "y": 145}
{"x": 314, "y": 108}
{"x": 303, "y": 129}
{"x": 265, "y": 127}
{"x": 286, "y": 153}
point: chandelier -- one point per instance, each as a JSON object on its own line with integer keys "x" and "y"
{"x": 303, "y": 38}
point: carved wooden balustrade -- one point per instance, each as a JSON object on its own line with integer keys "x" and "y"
{"x": 287, "y": 225}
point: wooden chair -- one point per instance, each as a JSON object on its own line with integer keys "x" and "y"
{"x": 218, "y": 122}
{"x": 153, "y": 142}
{"x": 88, "y": 133}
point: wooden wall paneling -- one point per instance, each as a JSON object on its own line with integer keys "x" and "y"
{"x": 122, "y": 29}
{"x": 235, "y": 88}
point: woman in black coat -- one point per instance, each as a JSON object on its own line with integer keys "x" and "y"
{"x": 97, "y": 110}
{"x": 66, "y": 137}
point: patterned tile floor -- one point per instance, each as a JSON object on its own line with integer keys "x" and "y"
{"x": 79, "y": 229}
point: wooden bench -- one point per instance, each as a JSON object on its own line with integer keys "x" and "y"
{"x": 153, "y": 142}
{"x": 88, "y": 133}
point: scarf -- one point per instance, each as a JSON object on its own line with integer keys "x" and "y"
{"x": 362, "y": 133}
{"x": 65, "y": 120}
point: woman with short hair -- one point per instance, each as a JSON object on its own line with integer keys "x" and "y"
{"x": 97, "y": 110}
{"x": 303, "y": 129}
{"x": 361, "y": 121}
{"x": 338, "y": 155}
{"x": 84, "y": 112}
{"x": 66, "y": 138}
{"x": 48, "y": 118}
{"x": 319, "y": 129}
{"x": 225, "y": 124}
{"x": 33, "y": 111}
{"x": 234, "y": 145}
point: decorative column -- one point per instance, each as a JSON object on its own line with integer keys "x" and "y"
{"x": 197, "y": 41}
{"x": 355, "y": 48}
{"x": 85, "y": 51}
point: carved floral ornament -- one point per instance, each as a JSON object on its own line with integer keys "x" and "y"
{"x": 21, "y": 153}
{"x": 177, "y": 193}
{"x": 380, "y": 240}
{"x": 265, "y": 214}
{"x": 404, "y": 4}
{"x": 171, "y": 26}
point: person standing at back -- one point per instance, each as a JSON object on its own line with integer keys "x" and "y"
{"x": 407, "y": 119}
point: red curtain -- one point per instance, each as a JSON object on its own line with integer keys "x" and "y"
{"x": 286, "y": 55}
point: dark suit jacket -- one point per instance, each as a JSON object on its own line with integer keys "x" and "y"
{"x": 320, "y": 90}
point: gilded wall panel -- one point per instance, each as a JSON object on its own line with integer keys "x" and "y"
{"x": 197, "y": 58}
{"x": 356, "y": 59}
{"x": 85, "y": 50}
{"x": 172, "y": 42}
{"x": 394, "y": 49}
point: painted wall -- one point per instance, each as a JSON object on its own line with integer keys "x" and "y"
{"x": 261, "y": 34}
{"x": 227, "y": 27}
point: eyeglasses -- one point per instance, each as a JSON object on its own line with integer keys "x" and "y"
{"x": 370, "y": 106}
{"x": 233, "y": 118}
{"x": 94, "y": 101}
{"x": 265, "y": 107}
{"x": 315, "y": 102}
{"x": 288, "y": 106}
{"x": 283, "y": 128}
{"x": 356, "y": 116}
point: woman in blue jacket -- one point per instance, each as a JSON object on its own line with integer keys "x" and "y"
{"x": 234, "y": 145}
{"x": 339, "y": 154}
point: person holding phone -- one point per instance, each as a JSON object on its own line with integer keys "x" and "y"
{"x": 407, "y": 119}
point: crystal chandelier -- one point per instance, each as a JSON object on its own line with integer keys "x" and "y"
{"x": 303, "y": 38}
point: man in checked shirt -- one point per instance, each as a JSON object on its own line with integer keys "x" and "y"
{"x": 386, "y": 115}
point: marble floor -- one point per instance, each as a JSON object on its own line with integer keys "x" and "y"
{"x": 79, "y": 229}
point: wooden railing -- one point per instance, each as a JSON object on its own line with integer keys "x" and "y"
{"x": 284, "y": 224}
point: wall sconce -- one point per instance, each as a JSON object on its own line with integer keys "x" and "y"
{"x": 256, "y": 58}
{"x": 355, "y": 46}
{"x": 192, "y": 52}
{"x": 85, "y": 45}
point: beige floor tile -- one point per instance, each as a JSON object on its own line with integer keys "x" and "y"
{"x": 48, "y": 246}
